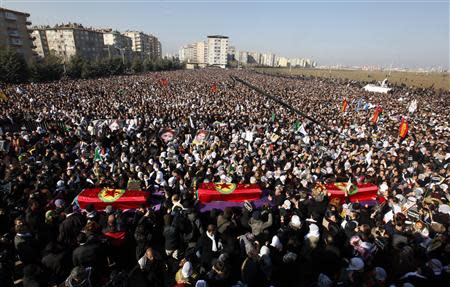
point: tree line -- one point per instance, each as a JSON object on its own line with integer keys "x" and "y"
{"x": 14, "y": 69}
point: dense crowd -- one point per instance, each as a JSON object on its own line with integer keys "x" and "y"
{"x": 300, "y": 238}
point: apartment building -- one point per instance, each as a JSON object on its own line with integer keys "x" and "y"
{"x": 14, "y": 33}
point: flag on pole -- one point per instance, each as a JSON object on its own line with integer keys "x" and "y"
{"x": 344, "y": 105}
{"x": 3, "y": 97}
{"x": 97, "y": 156}
{"x": 403, "y": 131}
{"x": 214, "y": 88}
{"x": 296, "y": 126}
{"x": 164, "y": 82}
{"x": 272, "y": 118}
{"x": 376, "y": 115}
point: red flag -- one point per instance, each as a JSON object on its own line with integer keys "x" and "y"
{"x": 164, "y": 82}
{"x": 214, "y": 88}
{"x": 117, "y": 239}
{"x": 233, "y": 192}
{"x": 362, "y": 192}
{"x": 376, "y": 114}
{"x": 403, "y": 131}
{"x": 344, "y": 105}
{"x": 118, "y": 198}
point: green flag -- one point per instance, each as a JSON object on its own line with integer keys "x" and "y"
{"x": 296, "y": 126}
{"x": 97, "y": 156}
{"x": 272, "y": 118}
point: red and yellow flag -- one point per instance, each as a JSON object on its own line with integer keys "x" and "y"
{"x": 118, "y": 198}
{"x": 233, "y": 192}
{"x": 403, "y": 131}
{"x": 344, "y": 105}
{"x": 376, "y": 115}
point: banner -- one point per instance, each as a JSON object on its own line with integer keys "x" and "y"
{"x": 118, "y": 198}
{"x": 356, "y": 192}
{"x": 376, "y": 115}
{"x": 167, "y": 134}
{"x": 208, "y": 192}
{"x": 344, "y": 105}
{"x": 200, "y": 137}
{"x": 403, "y": 131}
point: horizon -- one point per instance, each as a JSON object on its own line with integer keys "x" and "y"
{"x": 398, "y": 34}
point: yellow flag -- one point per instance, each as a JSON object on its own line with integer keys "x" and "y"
{"x": 3, "y": 97}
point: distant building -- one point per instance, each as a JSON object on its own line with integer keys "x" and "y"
{"x": 282, "y": 62}
{"x": 231, "y": 54}
{"x": 40, "y": 43}
{"x": 268, "y": 59}
{"x": 254, "y": 58}
{"x": 118, "y": 44}
{"x": 146, "y": 45}
{"x": 71, "y": 39}
{"x": 243, "y": 57}
{"x": 217, "y": 47}
{"x": 14, "y": 33}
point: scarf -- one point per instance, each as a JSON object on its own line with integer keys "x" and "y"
{"x": 214, "y": 244}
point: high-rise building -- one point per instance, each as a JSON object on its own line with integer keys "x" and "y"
{"x": 243, "y": 57}
{"x": 146, "y": 45}
{"x": 217, "y": 50}
{"x": 254, "y": 58}
{"x": 14, "y": 33}
{"x": 195, "y": 53}
{"x": 268, "y": 59}
{"x": 282, "y": 62}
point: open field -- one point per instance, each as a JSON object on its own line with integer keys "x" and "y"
{"x": 415, "y": 79}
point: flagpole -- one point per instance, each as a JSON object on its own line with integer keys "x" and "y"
{"x": 287, "y": 106}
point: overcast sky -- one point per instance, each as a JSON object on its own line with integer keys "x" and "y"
{"x": 373, "y": 32}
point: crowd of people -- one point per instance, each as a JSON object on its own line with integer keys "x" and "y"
{"x": 300, "y": 238}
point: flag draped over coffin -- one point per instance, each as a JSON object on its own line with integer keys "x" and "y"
{"x": 356, "y": 192}
{"x": 233, "y": 192}
{"x": 118, "y": 198}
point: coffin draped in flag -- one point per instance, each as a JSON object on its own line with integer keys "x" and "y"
{"x": 364, "y": 192}
{"x": 118, "y": 198}
{"x": 232, "y": 192}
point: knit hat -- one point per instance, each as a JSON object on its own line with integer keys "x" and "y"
{"x": 201, "y": 283}
{"x": 356, "y": 264}
{"x": 187, "y": 271}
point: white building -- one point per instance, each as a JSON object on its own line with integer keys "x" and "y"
{"x": 268, "y": 59}
{"x": 146, "y": 45}
{"x": 282, "y": 62}
{"x": 217, "y": 47}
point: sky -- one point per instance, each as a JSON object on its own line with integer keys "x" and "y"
{"x": 411, "y": 34}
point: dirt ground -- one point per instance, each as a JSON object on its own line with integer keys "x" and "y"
{"x": 411, "y": 79}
